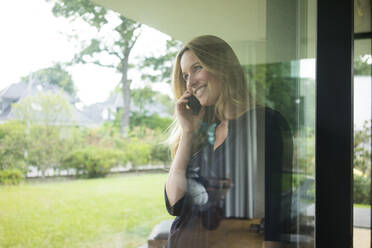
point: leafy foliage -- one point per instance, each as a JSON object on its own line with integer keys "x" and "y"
{"x": 46, "y": 116}
{"x": 92, "y": 161}
{"x": 13, "y": 145}
{"x": 45, "y": 138}
{"x": 362, "y": 164}
{"x": 166, "y": 101}
{"x": 142, "y": 146}
{"x": 361, "y": 65}
{"x": 361, "y": 189}
{"x": 362, "y": 152}
{"x": 116, "y": 44}
{"x": 137, "y": 152}
{"x": 143, "y": 97}
{"x": 55, "y": 75}
{"x": 87, "y": 10}
{"x": 160, "y": 153}
{"x": 11, "y": 177}
{"x": 160, "y": 67}
{"x": 272, "y": 86}
{"x": 305, "y": 154}
{"x": 153, "y": 121}
{"x": 45, "y": 108}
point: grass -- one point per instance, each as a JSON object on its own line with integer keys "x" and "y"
{"x": 361, "y": 205}
{"x": 108, "y": 212}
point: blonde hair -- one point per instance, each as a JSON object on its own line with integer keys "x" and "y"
{"x": 217, "y": 57}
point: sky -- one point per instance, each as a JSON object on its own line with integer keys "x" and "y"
{"x": 32, "y": 38}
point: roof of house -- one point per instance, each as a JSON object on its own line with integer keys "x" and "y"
{"x": 92, "y": 115}
{"x": 15, "y": 92}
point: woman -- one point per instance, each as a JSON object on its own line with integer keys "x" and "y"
{"x": 216, "y": 171}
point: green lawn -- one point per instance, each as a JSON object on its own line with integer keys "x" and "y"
{"x": 109, "y": 212}
{"x": 361, "y": 206}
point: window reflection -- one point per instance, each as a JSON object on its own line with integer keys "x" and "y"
{"x": 362, "y": 142}
{"x": 236, "y": 164}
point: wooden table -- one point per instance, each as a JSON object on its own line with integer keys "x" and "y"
{"x": 231, "y": 233}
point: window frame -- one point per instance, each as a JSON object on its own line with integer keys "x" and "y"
{"x": 334, "y": 124}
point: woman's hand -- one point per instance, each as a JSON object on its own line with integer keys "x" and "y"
{"x": 188, "y": 121}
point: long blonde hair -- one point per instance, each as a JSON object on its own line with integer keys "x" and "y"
{"x": 217, "y": 57}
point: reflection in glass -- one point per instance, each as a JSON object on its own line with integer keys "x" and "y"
{"x": 362, "y": 16}
{"x": 362, "y": 142}
{"x": 255, "y": 184}
{"x": 233, "y": 161}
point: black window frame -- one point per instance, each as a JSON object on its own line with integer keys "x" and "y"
{"x": 334, "y": 124}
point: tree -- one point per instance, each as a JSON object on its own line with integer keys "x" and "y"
{"x": 362, "y": 151}
{"x": 166, "y": 101}
{"x": 92, "y": 161}
{"x": 54, "y": 75}
{"x": 13, "y": 145}
{"x": 137, "y": 152}
{"x": 273, "y": 86}
{"x": 361, "y": 65}
{"x": 45, "y": 108}
{"x": 142, "y": 97}
{"x": 160, "y": 68}
{"x": 362, "y": 164}
{"x": 46, "y": 116}
{"x": 116, "y": 45}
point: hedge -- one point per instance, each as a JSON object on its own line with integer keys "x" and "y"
{"x": 11, "y": 177}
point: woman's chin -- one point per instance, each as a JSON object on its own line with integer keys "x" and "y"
{"x": 204, "y": 104}
{"x": 203, "y": 101}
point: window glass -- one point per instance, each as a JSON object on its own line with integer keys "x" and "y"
{"x": 362, "y": 142}
{"x": 266, "y": 182}
{"x": 362, "y": 16}
{"x": 242, "y": 144}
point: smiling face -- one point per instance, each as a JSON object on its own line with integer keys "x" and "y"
{"x": 203, "y": 84}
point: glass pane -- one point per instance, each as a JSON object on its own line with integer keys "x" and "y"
{"x": 362, "y": 16}
{"x": 266, "y": 186}
{"x": 242, "y": 171}
{"x": 362, "y": 142}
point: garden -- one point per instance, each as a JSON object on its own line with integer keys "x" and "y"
{"x": 117, "y": 211}
{"x": 86, "y": 203}
{"x": 92, "y": 205}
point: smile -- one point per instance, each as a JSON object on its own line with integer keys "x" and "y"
{"x": 199, "y": 91}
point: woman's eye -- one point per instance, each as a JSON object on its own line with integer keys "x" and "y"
{"x": 198, "y": 67}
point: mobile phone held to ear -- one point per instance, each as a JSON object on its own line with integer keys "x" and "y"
{"x": 194, "y": 104}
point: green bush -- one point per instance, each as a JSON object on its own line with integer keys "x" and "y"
{"x": 160, "y": 153}
{"x": 137, "y": 152}
{"x": 93, "y": 161}
{"x": 11, "y": 177}
{"x": 13, "y": 145}
{"x": 361, "y": 189}
{"x": 154, "y": 121}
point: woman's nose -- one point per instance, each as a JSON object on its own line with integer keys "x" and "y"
{"x": 190, "y": 82}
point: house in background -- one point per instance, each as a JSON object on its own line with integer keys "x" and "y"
{"x": 106, "y": 111}
{"x": 93, "y": 115}
{"x": 18, "y": 91}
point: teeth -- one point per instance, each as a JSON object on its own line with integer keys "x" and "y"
{"x": 200, "y": 90}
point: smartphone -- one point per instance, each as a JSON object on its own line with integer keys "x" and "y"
{"x": 194, "y": 104}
